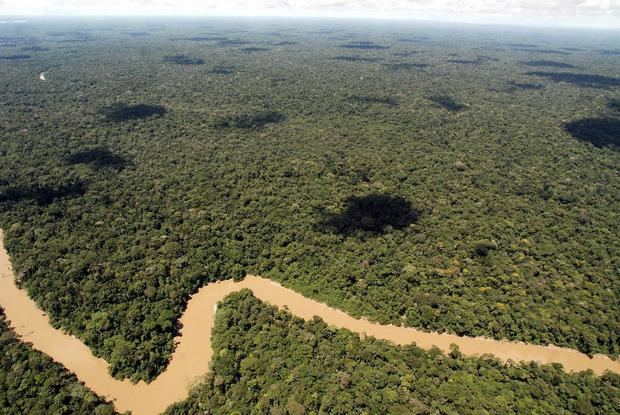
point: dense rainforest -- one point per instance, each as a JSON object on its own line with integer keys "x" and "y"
{"x": 269, "y": 362}
{"x": 31, "y": 383}
{"x": 451, "y": 178}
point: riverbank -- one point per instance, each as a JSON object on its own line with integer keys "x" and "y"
{"x": 193, "y": 353}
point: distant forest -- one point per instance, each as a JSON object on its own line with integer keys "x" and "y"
{"x": 446, "y": 178}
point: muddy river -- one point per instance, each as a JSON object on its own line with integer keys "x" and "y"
{"x": 192, "y": 355}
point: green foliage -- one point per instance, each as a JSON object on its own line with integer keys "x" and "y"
{"x": 447, "y": 103}
{"x": 250, "y": 121}
{"x": 266, "y": 361}
{"x": 232, "y": 42}
{"x": 406, "y": 65}
{"x": 113, "y": 254}
{"x": 389, "y": 101}
{"x": 31, "y": 383}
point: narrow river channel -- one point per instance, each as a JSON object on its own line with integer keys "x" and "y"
{"x": 192, "y": 355}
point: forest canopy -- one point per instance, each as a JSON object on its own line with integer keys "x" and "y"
{"x": 266, "y": 361}
{"x": 601, "y": 132}
{"x": 354, "y": 164}
{"x": 124, "y": 112}
{"x": 376, "y": 213}
{"x": 31, "y": 383}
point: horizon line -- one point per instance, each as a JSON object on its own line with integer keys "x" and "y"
{"x": 474, "y": 20}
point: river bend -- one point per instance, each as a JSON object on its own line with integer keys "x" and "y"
{"x": 193, "y": 353}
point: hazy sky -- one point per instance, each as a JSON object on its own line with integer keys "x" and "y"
{"x": 593, "y": 13}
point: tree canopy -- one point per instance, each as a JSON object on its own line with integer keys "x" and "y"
{"x": 127, "y": 182}
{"x": 266, "y": 361}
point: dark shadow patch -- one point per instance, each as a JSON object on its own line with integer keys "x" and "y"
{"x": 363, "y": 45}
{"x": 98, "y": 158}
{"x": 181, "y": 59}
{"x": 124, "y": 112}
{"x": 407, "y": 53}
{"x": 522, "y": 45}
{"x": 516, "y": 86}
{"x": 551, "y": 64}
{"x": 33, "y": 49}
{"x": 372, "y": 213}
{"x": 279, "y": 80}
{"x": 16, "y": 38}
{"x": 250, "y": 121}
{"x": 405, "y": 66}
{"x": 222, "y": 70}
{"x": 203, "y": 39}
{"x": 609, "y": 52}
{"x": 73, "y": 37}
{"x": 137, "y": 34}
{"x": 593, "y": 81}
{"x": 446, "y": 102}
{"x": 254, "y": 49}
{"x": 601, "y": 132}
{"x": 76, "y": 40}
{"x": 341, "y": 37}
{"x": 233, "y": 42}
{"x": 485, "y": 58}
{"x": 285, "y": 43}
{"x": 476, "y": 61}
{"x": 466, "y": 61}
{"x": 14, "y": 57}
{"x": 355, "y": 59}
{"x": 411, "y": 39}
{"x": 43, "y": 195}
{"x": 549, "y": 51}
{"x": 614, "y": 104}
{"x": 365, "y": 99}
{"x": 483, "y": 247}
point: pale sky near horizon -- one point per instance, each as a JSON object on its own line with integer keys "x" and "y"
{"x": 583, "y": 13}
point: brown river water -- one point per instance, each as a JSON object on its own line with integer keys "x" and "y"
{"x": 192, "y": 355}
